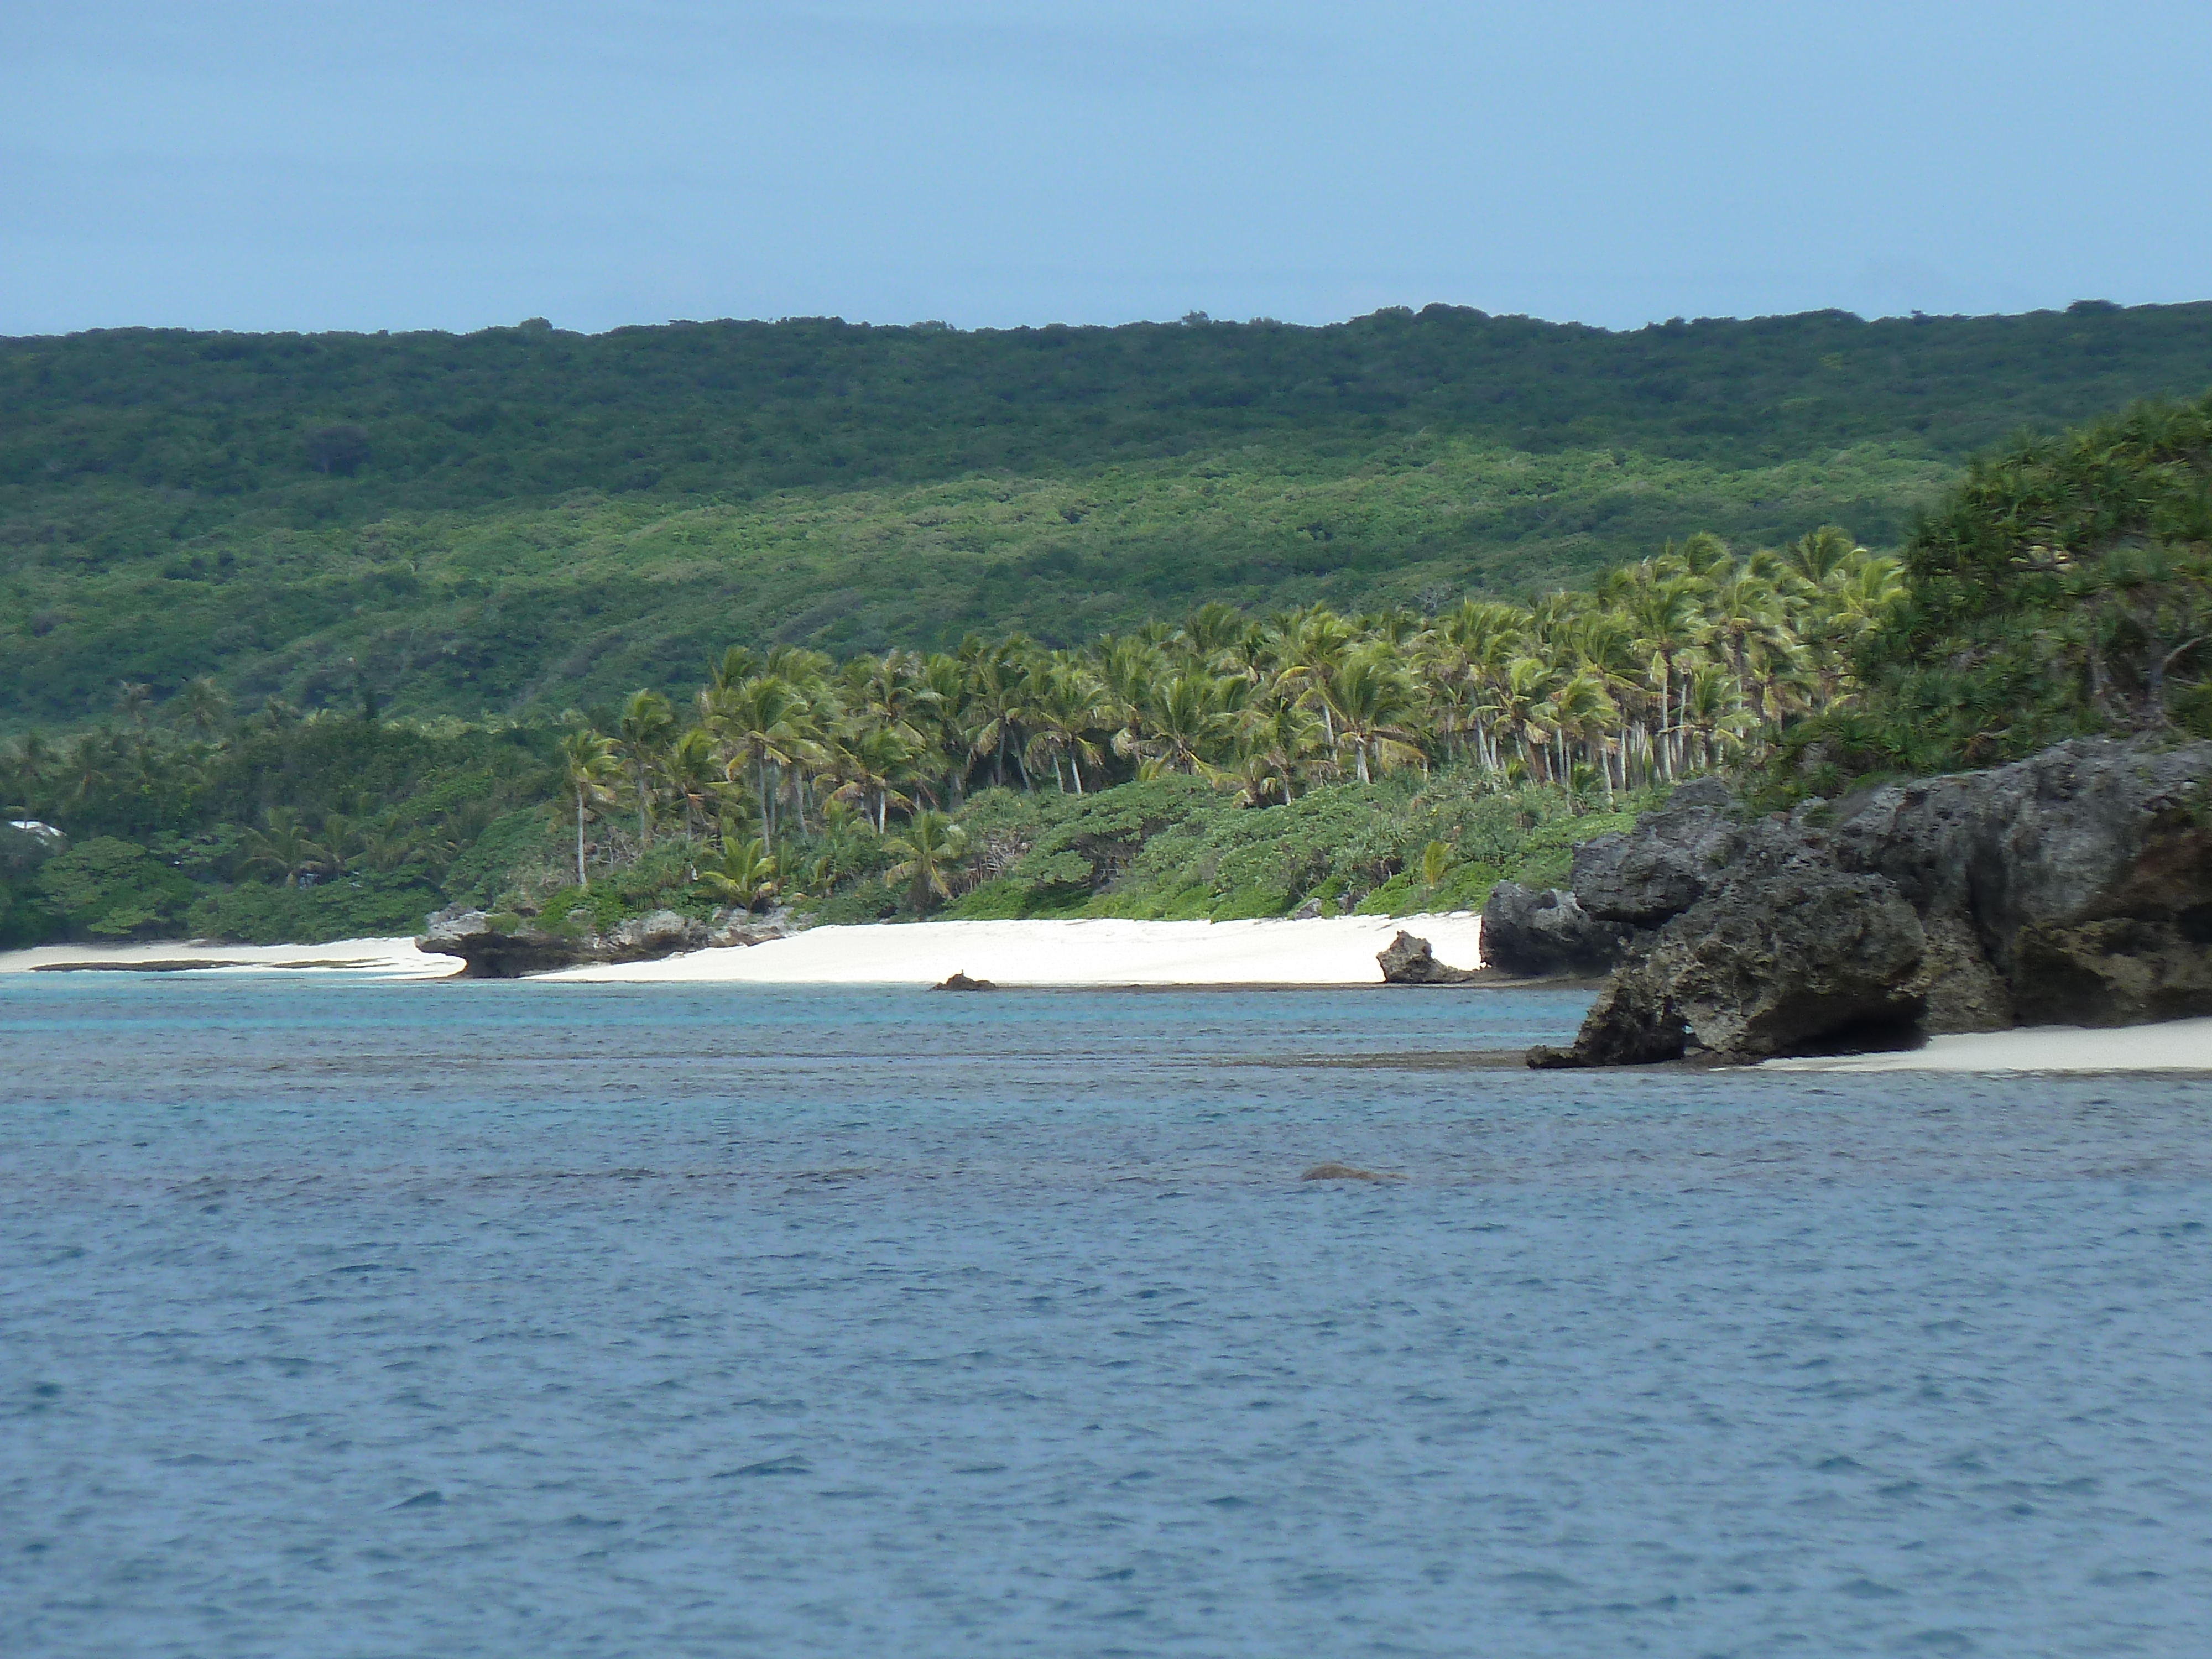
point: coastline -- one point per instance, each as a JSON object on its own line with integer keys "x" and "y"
{"x": 2174, "y": 1045}
{"x": 1334, "y": 952}
{"x": 1095, "y": 954}
{"x": 387, "y": 958}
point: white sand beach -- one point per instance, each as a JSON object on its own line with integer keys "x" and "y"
{"x": 1323, "y": 951}
{"x": 387, "y": 958}
{"x": 2180, "y": 1045}
{"x": 1336, "y": 950}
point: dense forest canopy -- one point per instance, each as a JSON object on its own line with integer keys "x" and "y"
{"x": 518, "y": 519}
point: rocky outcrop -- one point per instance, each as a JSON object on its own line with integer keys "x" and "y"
{"x": 2073, "y": 887}
{"x": 1407, "y": 960}
{"x": 496, "y": 945}
{"x": 492, "y": 945}
{"x": 1535, "y": 934}
{"x": 958, "y": 981}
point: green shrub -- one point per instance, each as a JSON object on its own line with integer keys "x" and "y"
{"x": 367, "y": 906}
{"x": 106, "y": 888}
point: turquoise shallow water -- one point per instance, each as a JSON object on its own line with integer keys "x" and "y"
{"x": 443, "y": 1319}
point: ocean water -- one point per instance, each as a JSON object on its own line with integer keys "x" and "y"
{"x": 356, "y": 1319}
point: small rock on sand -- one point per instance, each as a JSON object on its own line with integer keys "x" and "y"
{"x": 960, "y": 982}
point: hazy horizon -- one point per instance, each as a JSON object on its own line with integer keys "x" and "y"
{"x": 1125, "y": 322}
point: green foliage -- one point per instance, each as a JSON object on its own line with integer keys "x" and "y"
{"x": 662, "y": 878}
{"x": 368, "y": 906}
{"x": 1173, "y": 849}
{"x": 2064, "y": 587}
{"x": 111, "y": 888}
{"x": 517, "y": 519}
{"x": 27, "y": 917}
{"x": 186, "y": 819}
{"x": 524, "y": 837}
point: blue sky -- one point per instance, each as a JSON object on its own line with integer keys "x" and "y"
{"x": 387, "y": 164}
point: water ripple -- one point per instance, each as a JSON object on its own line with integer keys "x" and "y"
{"x": 344, "y": 1318}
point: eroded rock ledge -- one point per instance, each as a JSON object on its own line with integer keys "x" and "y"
{"x": 2074, "y": 888}
{"x": 502, "y": 946}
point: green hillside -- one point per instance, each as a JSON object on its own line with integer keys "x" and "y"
{"x": 521, "y": 518}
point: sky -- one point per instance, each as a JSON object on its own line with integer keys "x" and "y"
{"x": 290, "y": 164}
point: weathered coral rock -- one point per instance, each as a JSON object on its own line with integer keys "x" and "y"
{"x": 647, "y": 938}
{"x": 1532, "y": 933}
{"x": 496, "y": 946}
{"x": 2073, "y": 887}
{"x": 1666, "y": 864}
{"x": 1407, "y": 960}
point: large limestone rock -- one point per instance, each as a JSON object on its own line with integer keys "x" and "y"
{"x": 1532, "y": 933}
{"x": 1766, "y": 968}
{"x": 1666, "y": 864}
{"x": 2073, "y": 887}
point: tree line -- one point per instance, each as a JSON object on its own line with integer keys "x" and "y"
{"x": 1691, "y": 660}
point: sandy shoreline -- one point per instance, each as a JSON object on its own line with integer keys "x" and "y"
{"x": 1320, "y": 953}
{"x": 1337, "y": 951}
{"x": 1092, "y": 954}
{"x": 385, "y": 959}
{"x": 2178, "y": 1045}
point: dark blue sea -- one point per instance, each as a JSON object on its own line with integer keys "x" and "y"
{"x": 344, "y": 1318}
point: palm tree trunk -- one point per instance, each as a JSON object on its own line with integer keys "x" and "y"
{"x": 579, "y": 835}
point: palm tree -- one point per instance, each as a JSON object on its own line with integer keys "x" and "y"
{"x": 765, "y": 723}
{"x": 204, "y": 706}
{"x": 281, "y": 845}
{"x": 1066, "y": 705}
{"x": 742, "y": 873}
{"x": 926, "y": 854}
{"x": 1372, "y": 701}
{"x": 1436, "y": 862}
{"x": 998, "y": 695}
{"x": 389, "y": 847}
{"x": 1308, "y": 645}
{"x": 337, "y": 843}
{"x": 648, "y": 727}
{"x": 1277, "y": 738}
{"x": 1188, "y": 723}
{"x": 1818, "y": 555}
{"x": 85, "y": 767}
{"x": 1669, "y": 621}
{"x": 689, "y": 770}
{"x": 870, "y": 764}
{"x": 587, "y": 765}
{"x": 1128, "y": 670}
{"x": 28, "y": 769}
{"x": 894, "y": 691}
